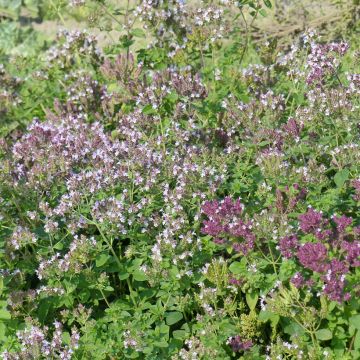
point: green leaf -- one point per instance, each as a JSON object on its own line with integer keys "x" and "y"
{"x": 173, "y": 317}
{"x": 262, "y": 12}
{"x": 357, "y": 341}
{"x": 268, "y": 4}
{"x": 148, "y": 110}
{"x": 161, "y": 344}
{"x": 138, "y": 33}
{"x": 12, "y": 6}
{"x": 355, "y": 321}
{"x": 139, "y": 275}
{"x": 237, "y": 267}
{"x": 323, "y": 334}
{"x": 293, "y": 329}
{"x": 66, "y": 338}
{"x": 44, "y": 308}
{"x": 2, "y": 332}
{"x": 102, "y": 259}
{"x": 263, "y": 143}
{"x": 4, "y": 314}
{"x": 265, "y": 316}
{"x": 123, "y": 275}
{"x": 340, "y": 177}
{"x": 179, "y": 334}
{"x": 58, "y": 246}
{"x": 252, "y": 299}
{"x": 164, "y": 329}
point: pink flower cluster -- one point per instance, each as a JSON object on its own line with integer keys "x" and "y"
{"x": 238, "y": 344}
{"x": 225, "y": 224}
{"x": 35, "y": 344}
{"x": 323, "y": 61}
{"x": 332, "y": 257}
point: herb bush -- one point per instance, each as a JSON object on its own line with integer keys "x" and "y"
{"x": 189, "y": 200}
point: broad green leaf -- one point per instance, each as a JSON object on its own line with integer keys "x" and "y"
{"x": 179, "y": 334}
{"x": 164, "y": 329}
{"x": 355, "y": 321}
{"x": 357, "y": 341}
{"x": 58, "y": 246}
{"x": 148, "y": 110}
{"x": 66, "y": 338}
{"x": 265, "y": 316}
{"x": 173, "y": 317}
{"x": 2, "y": 331}
{"x": 323, "y": 334}
{"x": 293, "y": 329}
{"x": 340, "y": 177}
{"x": 268, "y": 4}
{"x": 102, "y": 259}
{"x": 236, "y": 267}
{"x": 252, "y": 299}
{"x": 4, "y": 314}
{"x": 161, "y": 344}
{"x": 262, "y": 12}
{"x": 123, "y": 275}
{"x": 139, "y": 275}
{"x": 138, "y": 33}
{"x": 44, "y": 308}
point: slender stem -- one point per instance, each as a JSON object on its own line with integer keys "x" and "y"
{"x": 352, "y": 341}
{"x": 131, "y": 291}
{"x": 58, "y": 12}
{"x": 313, "y": 339}
{"x": 263, "y": 254}
{"x": 202, "y": 56}
{"x": 109, "y": 245}
{"x": 127, "y": 27}
{"x": 106, "y": 241}
{"x": 115, "y": 256}
{"x": 246, "y": 36}
{"x": 110, "y": 14}
{"x": 104, "y": 297}
{"x": 273, "y": 260}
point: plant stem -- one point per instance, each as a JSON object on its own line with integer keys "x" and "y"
{"x": 104, "y": 297}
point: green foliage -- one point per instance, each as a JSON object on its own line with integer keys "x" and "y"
{"x": 175, "y": 113}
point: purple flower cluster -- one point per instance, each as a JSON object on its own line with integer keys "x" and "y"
{"x": 224, "y": 223}
{"x": 70, "y": 42}
{"x": 293, "y": 128}
{"x": 293, "y": 194}
{"x": 288, "y": 246}
{"x": 342, "y": 223}
{"x": 298, "y": 280}
{"x": 79, "y": 253}
{"x": 352, "y": 251}
{"x": 334, "y": 281}
{"x": 313, "y": 256}
{"x": 332, "y": 263}
{"x": 323, "y": 61}
{"x": 35, "y": 344}
{"x": 237, "y": 344}
{"x": 235, "y": 282}
{"x": 312, "y": 222}
{"x": 356, "y": 185}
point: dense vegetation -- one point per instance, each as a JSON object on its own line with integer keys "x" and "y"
{"x": 181, "y": 192}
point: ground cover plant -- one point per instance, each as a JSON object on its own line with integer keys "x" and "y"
{"x": 180, "y": 193}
